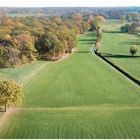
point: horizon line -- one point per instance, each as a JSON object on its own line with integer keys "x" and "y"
{"x": 67, "y": 6}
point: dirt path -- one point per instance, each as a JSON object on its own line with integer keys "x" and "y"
{"x": 94, "y": 107}
{"x": 6, "y": 116}
{"x": 28, "y": 77}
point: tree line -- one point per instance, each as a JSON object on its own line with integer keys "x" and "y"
{"x": 133, "y": 23}
{"x": 25, "y": 39}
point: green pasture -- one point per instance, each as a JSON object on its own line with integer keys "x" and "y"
{"x": 78, "y": 97}
{"x": 116, "y": 47}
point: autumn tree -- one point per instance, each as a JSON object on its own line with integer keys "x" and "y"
{"x": 6, "y": 21}
{"x": 26, "y": 46}
{"x": 99, "y": 33}
{"x": 3, "y": 56}
{"x": 133, "y": 49}
{"x": 58, "y": 20}
{"x": 10, "y": 93}
{"x": 49, "y": 44}
{"x": 91, "y": 23}
{"x": 98, "y": 21}
{"x": 71, "y": 41}
{"x": 97, "y": 46}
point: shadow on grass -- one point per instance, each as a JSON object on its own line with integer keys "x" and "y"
{"x": 136, "y": 43}
{"x": 87, "y": 43}
{"x": 113, "y": 32}
{"x": 87, "y": 39}
{"x": 83, "y": 52}
{"x": 118, "y": 55}
{"x": 130, "y": 43}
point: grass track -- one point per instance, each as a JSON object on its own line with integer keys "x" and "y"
{"x": 80, "y": 97}
{"x": 23, "y": 73}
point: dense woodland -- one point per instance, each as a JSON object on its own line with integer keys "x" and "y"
{"x": 25, "y": 39}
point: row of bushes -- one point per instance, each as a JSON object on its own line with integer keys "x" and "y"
{"x": 133, "y": 28}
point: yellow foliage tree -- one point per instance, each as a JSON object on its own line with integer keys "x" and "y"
{"x": 99, "y": 20}
{"x": 10, "y": 93}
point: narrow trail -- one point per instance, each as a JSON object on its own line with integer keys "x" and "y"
{"x": 95, "y": 107}
{"x": 6, "y": 116}
{"x": 29, "y": 76}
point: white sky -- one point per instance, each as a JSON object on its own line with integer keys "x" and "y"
{"x": 68, "y": 3}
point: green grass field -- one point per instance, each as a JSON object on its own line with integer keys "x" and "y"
{"x": 79, "y": 97}
{"x": 23, "y": 73}
{"x": 20, "y": 14}
{"x": 116, "y": 47}
{"x": 112, "y": 25}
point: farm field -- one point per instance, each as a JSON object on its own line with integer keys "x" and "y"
{"x": 115, "y": 46}
{"x": 78, "y": 97}
{"x": 20, "y": 15}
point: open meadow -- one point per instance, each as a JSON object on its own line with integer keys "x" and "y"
{"x": 115, "y": 46}
{"x": 78, "y": 97}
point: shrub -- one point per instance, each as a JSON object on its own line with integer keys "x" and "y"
{"x": 69, "y": 50}
{"x": 97, "y": 46}
{"x": 10, "y": 93}
{"x": 133, "y": 49}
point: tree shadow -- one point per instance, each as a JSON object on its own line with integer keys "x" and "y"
{"x": 87, "y": 43}
{"x": 136, "y": 43}
{"x": 83, "y": 52}
{"x": 118, "y": 55}
{"x": 113, "y": 32}
{"x": 87, "y": 39}
{"x": 130, "y": 43}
